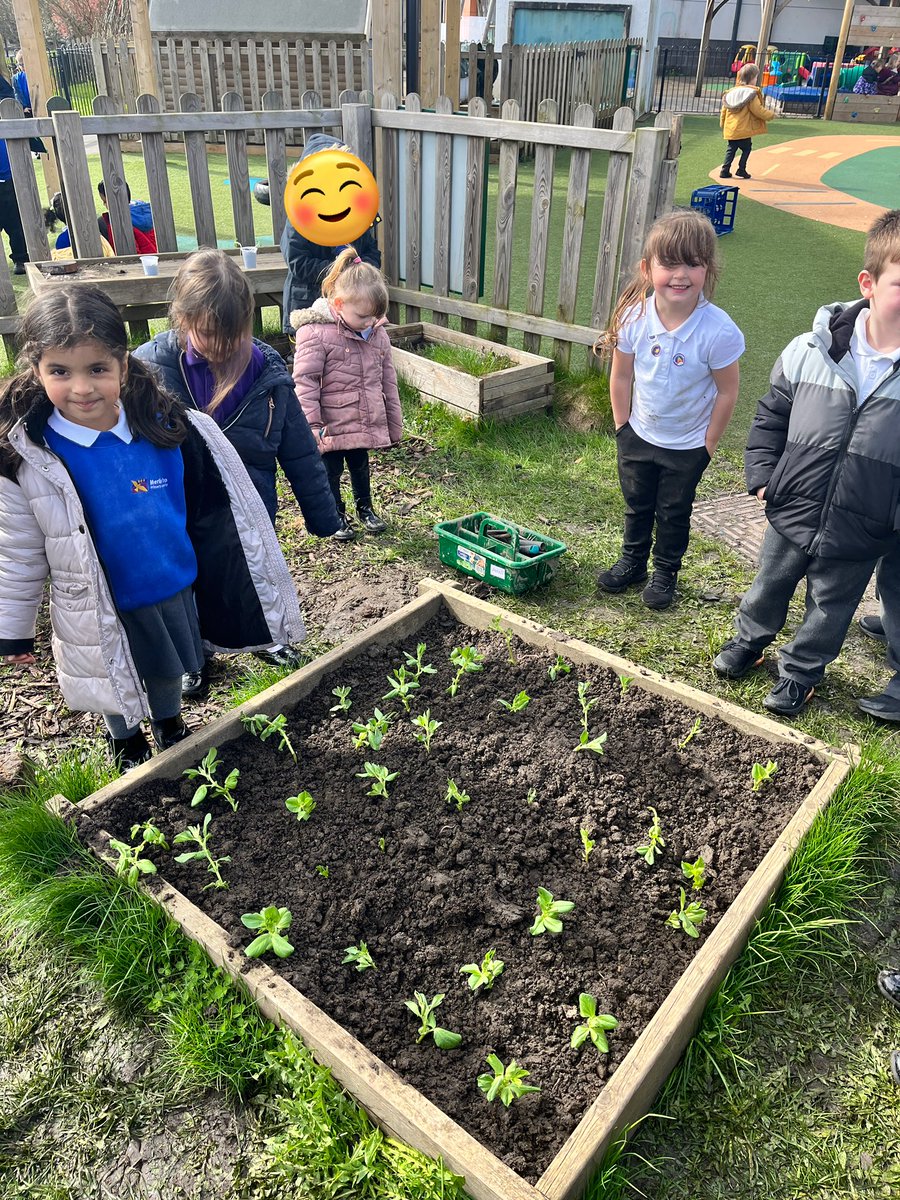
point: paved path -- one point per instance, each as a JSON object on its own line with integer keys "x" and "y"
{"x": 789, "y": 177}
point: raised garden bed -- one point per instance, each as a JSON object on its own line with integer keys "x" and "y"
{"x": 525, "y": 386}
{"x": 430, "y": 886}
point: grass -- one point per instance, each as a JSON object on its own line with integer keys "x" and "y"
{"x": 471, "y": 362}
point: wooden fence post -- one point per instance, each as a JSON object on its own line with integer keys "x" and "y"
{"x": 649, "y": 147}
{"x": 473, "y": 224}
{"x": 114, "y": 180}
{"x": 506, "y": 212}
{"x": 239, "y": 173}
{"x": 576, "y": 203}
{"x": 198, "y": 176}
{"x": 611, "y": 228}
{"x": 388, "y": 187}
{"x": 27, "y": 195}
{"x": 154, "y": 152}
{"x": 145, "y": 67}
{"x": 544, "y": 157}
{"x": 413, "y": 207}
{"x": 668, "y": 169}
{"x": 276, "y": 166}
{"x": 77, "y": 185}
{"x": 443, "y": 167}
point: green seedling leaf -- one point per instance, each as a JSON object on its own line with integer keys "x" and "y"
{"x": 301, "y": 805}
{"x": 211, "y": 787}
{"x": 505, "y": 1083}
{"x": 696, "y": 872}
{"x": 760, "y": 775}
{"x": 402, "y": 685}
{"x": 343, "y": 699}
{"x": 273, "y": 921}
{"x": 597, "y": 744}
{"x": 455, "y": 795}
{"x": 586, "y": 844}
{"x": 425, "y": 728}
{"x": 372, "y": 732}
{"x": 655, "y": 841}
{"x": 550, "y": 913}
{"x": 625, "y": 682}
{"x": 263, "y": 728}
{"x": 416, "y": 664}
{"x": 687, "y": 917}
{"x": 359, "y": 956}
{"x": 507, "y": 635}
{"x": 200, "y": 836}
{"x": 483, "y": 974}
{"x": 691, "y": 734}
{"x": 560, "y": 667}
{"x": 518, "y": 703}
{"x": 130, "y": 865}
{"x": 423, "y": 1008}
{"x": 595, "y": 1026}
{"x": 380, "y": 777}
{"x": 467, "y": 661}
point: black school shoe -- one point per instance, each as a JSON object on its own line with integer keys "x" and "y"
{"x": 129, "y": 752}
{"x": 788, "y": 698}
{"x": 883, "y": 707}
{"x": 280, "y": 656}
{"x": 195, "y": 683}
{"x": 660, "y": 591}
{"x": 873, "y": 626}
{"x": 889, "y": 986}
{"x": 346, "y": 532}
{"x": 735, "y": 660}
{"x": 724, "y": 174}
{"x": 169, "y": 731}
{"x": 621, "y": 575}
{"x": 370, "y": 520}
{"x": 743, "y": 175}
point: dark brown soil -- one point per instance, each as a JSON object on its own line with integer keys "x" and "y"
{"x": 429, "y": 888}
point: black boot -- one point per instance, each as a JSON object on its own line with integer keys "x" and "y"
{"x": 169, "y": 731}
{"x": 371, "y": 521}
{"x": 129, "y": 752}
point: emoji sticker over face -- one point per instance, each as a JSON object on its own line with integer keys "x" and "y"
{"x": 331, "y": 197}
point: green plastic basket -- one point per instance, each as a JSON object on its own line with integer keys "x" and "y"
{"x": 498, "y": 552}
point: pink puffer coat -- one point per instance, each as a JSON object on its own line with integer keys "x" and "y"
{"x": 346, "y": 384}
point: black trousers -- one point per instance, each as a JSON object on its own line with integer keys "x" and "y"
{"x": 658, "y": 485}
{"x": 358, "y": 465}
{"x": 745, "y": 145}
{"x": 11, "y": 222}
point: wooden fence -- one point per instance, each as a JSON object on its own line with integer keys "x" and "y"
{"x": 640, "y": 182}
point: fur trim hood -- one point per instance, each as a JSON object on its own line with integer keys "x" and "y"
{"x": 319, "y": 313}
{"x": 739, "y": 97}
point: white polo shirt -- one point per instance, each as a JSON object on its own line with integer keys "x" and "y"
{"x": 871, "y": 365}
{"x": 674, "y": 391}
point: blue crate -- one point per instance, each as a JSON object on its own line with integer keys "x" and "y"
{"x": 719, "y": 204}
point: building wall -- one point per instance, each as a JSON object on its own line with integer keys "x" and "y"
{"x": 287, "y": 18}
{"x": 803, "y": 22}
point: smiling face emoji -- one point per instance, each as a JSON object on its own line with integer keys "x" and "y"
{"x": 331, "y": 197}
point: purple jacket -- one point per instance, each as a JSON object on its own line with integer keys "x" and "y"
{"x": 346, "y": 384}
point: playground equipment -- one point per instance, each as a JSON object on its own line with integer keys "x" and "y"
{"x": 747, "y": 54}
{"x": 719, "y": 204}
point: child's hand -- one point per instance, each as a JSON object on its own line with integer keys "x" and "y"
{"x": 19, "y": 660}
{"x": 711, "y": 446}
{"x": 761, "y": 494}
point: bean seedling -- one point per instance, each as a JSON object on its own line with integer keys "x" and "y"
{"x": 519, "y": 702}
{"x": 373, "y": 730}
{"x": 380, "y": 777}
{"x": 625, "y": 682}
{"x": 416, "y": 664}
{"x": 696, "y": 872}
{"x": 273, "y": 921}
{"x": 211, "y": 786}
{"x": 194, "y": 833}
{"x": 560, "y": 667}
{"x": 322, "y": 870}
{"x": 586, "y": 706}
{"x": 506, "y": 1082}
{"x": 550, "y": 912}
{"x": 343, "y": 699}
{"x": 423, "y": 1008}
{"x": 130, "y": 864}
{"x": 760, "y": 774}
{"x": 402, "y": 686}
{"x": 655, "y": 841}
{"x": 426, "y": 728}
{"x": 586, "y": 844}
{"x": 301, "y": 805}
{"x": 687, "y": 916}
{"x": 455, "y": 795}
{"x": 359, "y": 956}
{"x": 467, "y": 661}
{"x": 382, "y": 844}
{"x": 596, "y": 1026}
{"x": 507, "y": 635}
{"x": 531, "y": 796}
{"x": 263, "y": 728}
{"x": 597, "y": 744}
{"x": 691, "y": 734}
{"x": 484, "y": 974}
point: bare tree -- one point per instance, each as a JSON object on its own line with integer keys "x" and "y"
{"x": 72, "y": 19}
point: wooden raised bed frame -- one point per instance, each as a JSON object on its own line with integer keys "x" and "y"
{"x": 525, "y": 387}
{"x": 398, "y": 1107}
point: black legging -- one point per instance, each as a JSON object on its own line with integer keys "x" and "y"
{"x": 358, "y": 466}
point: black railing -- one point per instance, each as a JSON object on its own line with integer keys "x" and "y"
{"x": 72, "y": 68}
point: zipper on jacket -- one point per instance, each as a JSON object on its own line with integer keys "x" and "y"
{"x": 240, "y": 412}
{"x": 271, "y": 415}
{"x": 832, "y": 486}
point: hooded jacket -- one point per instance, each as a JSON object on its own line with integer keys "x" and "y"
{"x": 267, "y": 428}
{"x": 830, "y": 467}
{"x": 244, "y": 593}
{"x": 307, "y": 263}
{"x": 743, "y": 113}
{"x": 347, "y": 385}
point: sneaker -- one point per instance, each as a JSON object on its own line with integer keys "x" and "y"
{"x": 743, "y": 175}
{"x": 889, "y": 986}
{"x": 621, "y": 575}
{"x": 724, "y": 174}
{"x": 735, "y": 660}
{"x": 129, "y": 752}
{"x": 345, "y": 533}
{"x": 280, "y": 656}
{"x": 372, "y": 523}
{"x": 660, "y": 591}
{"x": 873, "y": 627}
{"x": 882, "y": 706}
{"x": 788, "y": 697}
{"x": 195, "y": 683}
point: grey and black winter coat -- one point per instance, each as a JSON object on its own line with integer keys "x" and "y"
{"x": 267, "y": 428}
{"x": 830, "y": 466}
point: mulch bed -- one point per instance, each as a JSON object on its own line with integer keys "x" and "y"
{"x": 448, "y": 886}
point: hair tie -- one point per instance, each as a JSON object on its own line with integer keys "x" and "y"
{"x": 357, "y": 260}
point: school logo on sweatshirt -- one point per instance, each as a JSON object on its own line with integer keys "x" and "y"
{"x": 139, "y": 485}
{"x": 678, "y": 360}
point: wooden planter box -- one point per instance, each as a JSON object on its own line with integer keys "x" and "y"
{"x": 525, "y": 387}
{"x": 867, "y": 110}
{"x": 398, "y": 1107}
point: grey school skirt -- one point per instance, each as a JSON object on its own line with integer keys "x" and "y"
{"x": 164, "y": 638}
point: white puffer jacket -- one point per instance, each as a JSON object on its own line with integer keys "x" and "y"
{"x": 243, "y": 584}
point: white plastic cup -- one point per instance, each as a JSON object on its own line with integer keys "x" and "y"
{"x": 248, "y": 254}
{"x": 150, "y": 263}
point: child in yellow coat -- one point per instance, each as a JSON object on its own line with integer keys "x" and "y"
{"x": 743, "y": 115}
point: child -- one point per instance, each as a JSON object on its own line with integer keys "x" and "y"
{"x": 345, "y": 379}
{"x": 867, "y": 84}
{"x": 211, "y": 362}
{"x": 307, "y": 262}
{"x": 141, "y": 222}
{"x": 743, "y": 115}
{"x": 673, "y": 387}
{"x": 142, "y": 516}
{"x": 62, "y": 247}
{"x": 888, "y": 83}
{"x": 824, "y": 455}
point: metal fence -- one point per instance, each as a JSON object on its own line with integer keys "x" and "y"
{"x": 796, "y": 78}
{"x": 72, "y": 68}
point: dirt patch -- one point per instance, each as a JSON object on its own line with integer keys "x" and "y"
{"x": 430, "y": 888}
